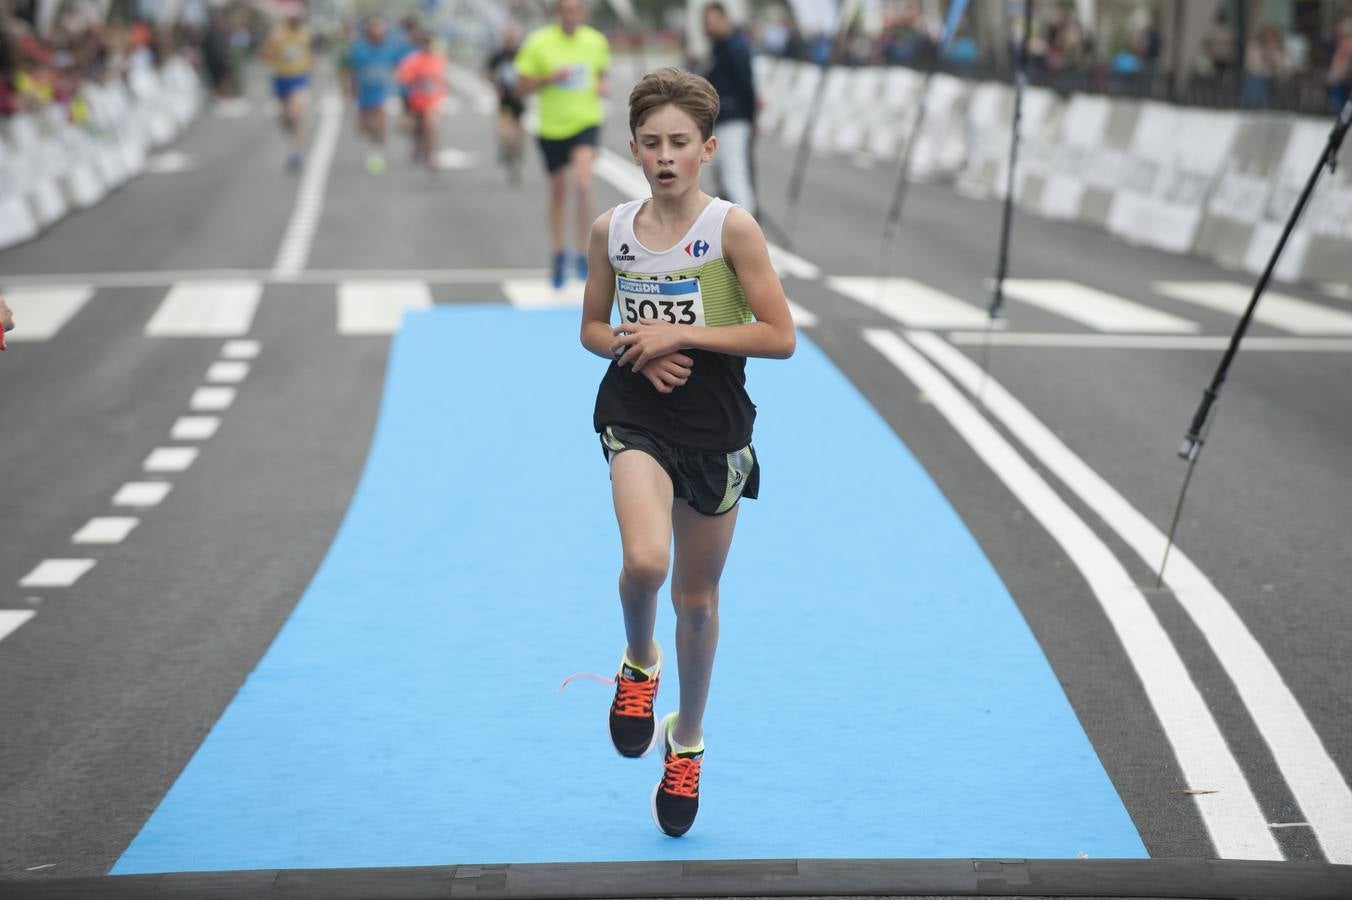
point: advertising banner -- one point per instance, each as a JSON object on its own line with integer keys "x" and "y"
{"x": 1239, "y": 197}
{"x": 1175, "y": 156}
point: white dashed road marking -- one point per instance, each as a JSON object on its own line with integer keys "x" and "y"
{"x": 55, "y": 573}
{"x": 170, "y": 459}
{"x": 105, "y": 530}
{"x": 195, "y": 428}
{"x": 11, "y": 619}
{"x": 212, "y": 399}
{"x": 230, "y": 371}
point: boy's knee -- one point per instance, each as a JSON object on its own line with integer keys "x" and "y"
{"x": 645, "y": 571}
{"x": 694, "y": 608}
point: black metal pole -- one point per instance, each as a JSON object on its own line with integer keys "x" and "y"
{"x": 893, "y": 220}
{"x": 1192, "y": 442}
{"x": 997, "y": 301}
{"x": 1191, "y": 449}
{"x": 1020, "y": 82}
{"x": 805, "y": 140}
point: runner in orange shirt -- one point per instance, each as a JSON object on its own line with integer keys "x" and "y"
{"x": 423, "y": 73}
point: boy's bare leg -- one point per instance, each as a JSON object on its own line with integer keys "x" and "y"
{"x": 642, "y": 494}
{"x": 702, "y": 544}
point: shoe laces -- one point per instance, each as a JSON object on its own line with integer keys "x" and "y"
{"x": 588, "y": 675}
{"x": 680, "y": 776}
{"x": 634, "y": 698}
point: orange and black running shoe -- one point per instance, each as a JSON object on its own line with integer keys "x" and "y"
{"x": 633, "y": 727}
{"x": 676, "y": 797}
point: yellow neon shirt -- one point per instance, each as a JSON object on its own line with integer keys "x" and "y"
{"x": 287, "y": 50}
{"x": 572, "y": 105}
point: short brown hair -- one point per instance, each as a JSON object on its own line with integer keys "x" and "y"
{"x": 690, "y": 93}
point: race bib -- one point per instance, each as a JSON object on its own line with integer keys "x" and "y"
{"x": 677, "y": 302}
{"x": 578, "y": 78}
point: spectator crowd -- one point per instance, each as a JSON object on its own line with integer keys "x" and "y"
{"x": 1262, "y": 66}
{"x": 38, "y": 70}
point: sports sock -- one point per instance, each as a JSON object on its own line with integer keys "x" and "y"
{"x": 681, "y": 748}
{"x": 648, "y": 670}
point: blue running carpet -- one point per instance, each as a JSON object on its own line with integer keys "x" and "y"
{"x": 877, "y": 692}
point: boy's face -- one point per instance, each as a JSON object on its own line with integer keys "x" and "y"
{"x": 668, "y": 146}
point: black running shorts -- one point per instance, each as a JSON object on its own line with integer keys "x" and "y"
{"x": 712, "y": 483}
{"x": 557, "y": 153}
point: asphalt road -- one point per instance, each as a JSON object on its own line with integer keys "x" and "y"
{"x": 112, "y": 684}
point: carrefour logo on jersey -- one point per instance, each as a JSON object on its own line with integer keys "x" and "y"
{"x": 697, "y": 248}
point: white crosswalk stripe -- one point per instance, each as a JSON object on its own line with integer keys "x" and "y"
{"x": 803, "y": 318}
{"x": 378, "y": 307}
{"x": 11, "y": 619}
{"x": 539, "y": 293}
{"x": 1097, "y": 309}
{"x": 41, "y": 311}
{"x": 206, "y": 309}
{"x": 911, "y": 303}
{"x": 227, "y": 306}
{"x": 1276, "y": 310}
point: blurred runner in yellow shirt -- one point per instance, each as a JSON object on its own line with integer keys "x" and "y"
{"x": 287, "y": 51}
{"x": 567, "y": 64}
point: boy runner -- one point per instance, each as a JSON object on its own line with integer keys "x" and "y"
{"x": 697, "y": 295}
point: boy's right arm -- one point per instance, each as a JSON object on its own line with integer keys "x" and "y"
{"x": 599, "y": 292}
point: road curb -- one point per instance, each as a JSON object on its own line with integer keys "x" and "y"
{"x": 1179, "y": 878}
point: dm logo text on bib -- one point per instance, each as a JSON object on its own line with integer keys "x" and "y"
{"x": 677, "y": 302}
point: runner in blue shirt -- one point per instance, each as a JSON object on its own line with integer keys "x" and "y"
{"x": 371, "y": 61}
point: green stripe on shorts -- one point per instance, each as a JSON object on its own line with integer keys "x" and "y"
{"x": 740, "y": 464}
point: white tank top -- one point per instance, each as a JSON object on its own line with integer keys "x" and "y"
{"x": 689, "y": 283}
